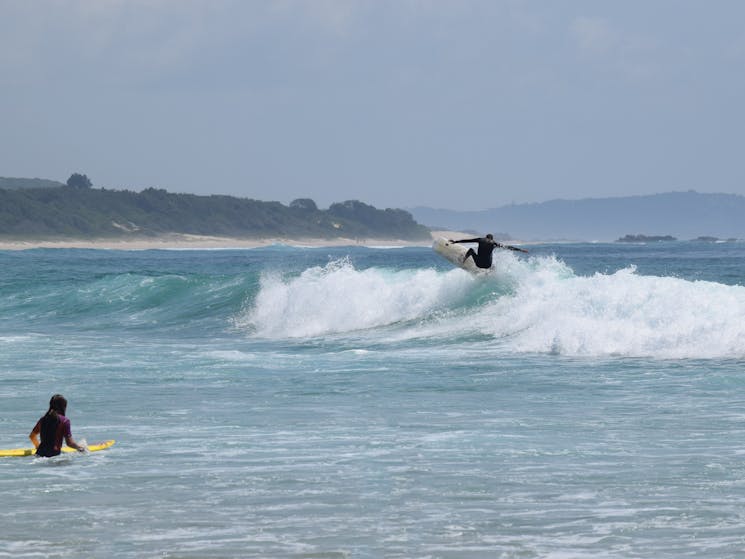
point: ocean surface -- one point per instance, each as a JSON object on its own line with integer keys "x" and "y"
{"x": 584, "y": 400}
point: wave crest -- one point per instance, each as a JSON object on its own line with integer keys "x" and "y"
{"x": 535, "y": 305}
{"x": 337, "y": 298}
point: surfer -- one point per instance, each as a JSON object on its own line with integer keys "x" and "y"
{"x": 482, "y": 257}
{"x": 53, "y": 427}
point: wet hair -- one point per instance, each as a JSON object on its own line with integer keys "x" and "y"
{"x": 490, "y": 236}
{"x": 57, "y": 405}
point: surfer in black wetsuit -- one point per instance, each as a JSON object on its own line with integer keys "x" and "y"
{"x": 482, "y": 257}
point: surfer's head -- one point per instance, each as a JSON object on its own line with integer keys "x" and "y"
{"x": 490, "y": 236}
{"x": 58, "y": 404}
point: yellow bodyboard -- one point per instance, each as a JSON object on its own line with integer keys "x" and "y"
{"x": 32, "y": 451}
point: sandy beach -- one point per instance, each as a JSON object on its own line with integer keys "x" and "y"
{"x": 183, "y": 241}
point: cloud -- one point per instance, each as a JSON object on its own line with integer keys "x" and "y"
{"x": 633, "y": 56}
{"x": 333, "y": 15}
{"x": 126, "y": 41}
{"x": 103, "y": 38}
{"x": 594, "y": 35}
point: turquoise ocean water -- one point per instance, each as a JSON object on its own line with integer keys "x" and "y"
{"x": 585, "y": 400}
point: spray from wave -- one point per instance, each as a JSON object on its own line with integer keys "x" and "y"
{"x": 337, "y": 298}
{"x": 621, "y": 314}
{"x": 535, "y": 305}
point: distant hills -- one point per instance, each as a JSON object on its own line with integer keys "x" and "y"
{"x": 8, "y": 183}
{"x": 684, "y": 215}
{"x": 34, "y": 208}
{"x": 40, "y": 208}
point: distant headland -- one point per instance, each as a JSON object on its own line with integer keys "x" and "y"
{"x": 33, "y": 210}
{"x": 42, "y": 209}
{"x": 646, "y": 238}
{"x": 668, "y": 238}
{"x": 684, "y": 215}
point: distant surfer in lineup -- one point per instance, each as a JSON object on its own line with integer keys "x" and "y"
{"x": 482, "y": 256}
{"x": 53, "y": 427}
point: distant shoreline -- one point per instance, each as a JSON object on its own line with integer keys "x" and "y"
{"x": 181, "y": 241}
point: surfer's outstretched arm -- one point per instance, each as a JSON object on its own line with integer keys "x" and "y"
{"x": 465, "y": 241}
{"x": 510, "y": 247}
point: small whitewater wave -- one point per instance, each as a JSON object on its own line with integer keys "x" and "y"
{"x": 534, "y": 305}
{"x": 337, "y": 298}
{"x": 554, "y": 311}
{"x": 621, "y": 314}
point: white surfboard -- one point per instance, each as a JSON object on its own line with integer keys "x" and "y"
{"x": 454, "y": 253}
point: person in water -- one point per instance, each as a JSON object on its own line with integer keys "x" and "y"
{"x": 53, "y": 427}
{"x": 482, "y": 257}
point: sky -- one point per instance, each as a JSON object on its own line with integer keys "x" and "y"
{"x": 457, "y": 104}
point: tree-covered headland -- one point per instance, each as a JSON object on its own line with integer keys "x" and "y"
{"x": 33, "y": 208}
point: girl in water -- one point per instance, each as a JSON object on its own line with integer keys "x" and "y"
{"x": 53, "y": 427}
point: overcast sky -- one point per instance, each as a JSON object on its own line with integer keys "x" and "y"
{"x": 460, "y": 104}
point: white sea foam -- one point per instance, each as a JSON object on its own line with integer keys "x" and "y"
{"x": 620, "y": 314}
{"x": 538, "y": 304}
{"x": 338, "y": 298}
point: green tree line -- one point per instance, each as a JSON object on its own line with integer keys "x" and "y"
{"x": 81, "y": 211}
